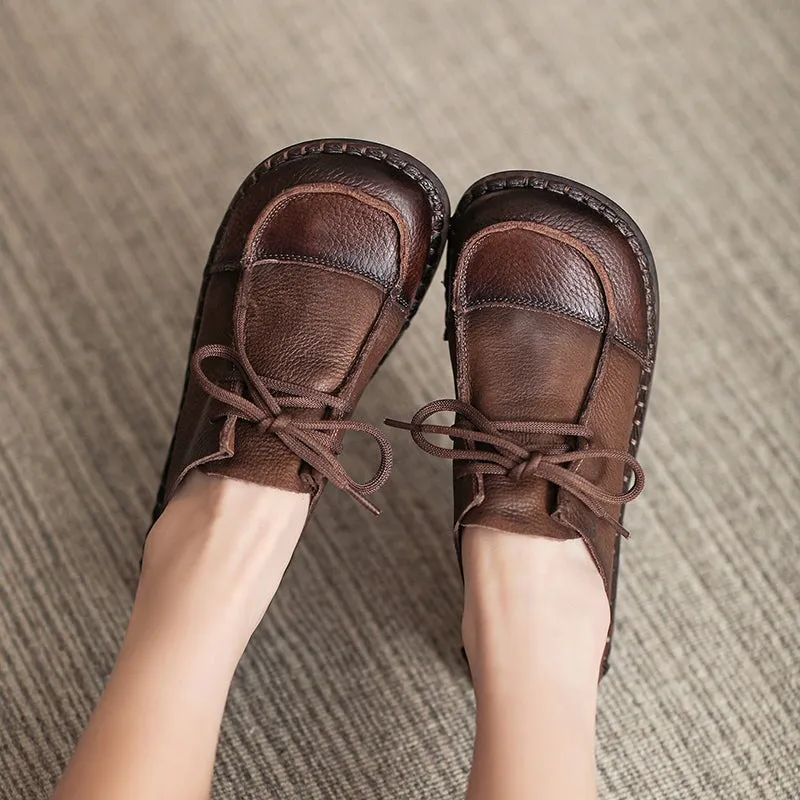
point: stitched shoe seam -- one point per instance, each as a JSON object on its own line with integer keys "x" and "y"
{"x": 439, "y": 220}
{"x": 350, "y": 269}
{"x": 364, "y": 151}
{"x": 558, "y": 310}
{"x": 545, "y": 184}
{"x": 556, "y": 187}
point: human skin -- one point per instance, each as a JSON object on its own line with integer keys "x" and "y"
{"x": 534, "y": 625}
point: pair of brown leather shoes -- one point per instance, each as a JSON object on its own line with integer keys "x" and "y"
{"x": 321, "y": 261}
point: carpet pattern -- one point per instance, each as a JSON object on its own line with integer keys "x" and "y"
{"x": 127, "y": 126}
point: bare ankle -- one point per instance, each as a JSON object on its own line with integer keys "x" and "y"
{"x": 218, "y": 552}
{"x": 529, "y": 599}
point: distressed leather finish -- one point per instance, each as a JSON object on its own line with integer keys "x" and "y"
{"x": 552, "y": 318}
{"x": 527, "y": 317}
{"x": 318, "y": 266}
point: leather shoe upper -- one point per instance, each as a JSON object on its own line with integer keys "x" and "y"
{"x": 316, "y": 269}
{"x": 552, "y": 323}
{"x": 552, "y": 316}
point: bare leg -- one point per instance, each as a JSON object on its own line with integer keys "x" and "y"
{"x": 211, "y": 567}
{"x": 535, "y": 624}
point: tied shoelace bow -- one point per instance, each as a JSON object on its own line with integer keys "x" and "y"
{"x": 515, "y": 461}
{"x": 312, "y": 441}
{"x": 509, "y": 457}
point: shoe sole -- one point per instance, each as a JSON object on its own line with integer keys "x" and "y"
{"x": 402, "y": 162}
{"x": 622, "y": 221}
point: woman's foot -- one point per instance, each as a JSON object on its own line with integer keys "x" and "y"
{"x": 552, "y": 319}
{"x": 215, "y": 558}
{"x": 552, "y": 315}
{"x": 535, "y": 621}
{"x": 531, "y": 604}
{"x": 318, "y": 266}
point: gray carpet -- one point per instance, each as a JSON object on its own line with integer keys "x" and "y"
{"x": 126, "y": 127}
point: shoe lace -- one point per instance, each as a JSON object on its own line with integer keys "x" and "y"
{"x": 512, "y": 459}
{"x": 313, "y": 441}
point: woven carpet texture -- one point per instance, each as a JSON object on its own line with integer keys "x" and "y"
{"x": 126, "y": 128}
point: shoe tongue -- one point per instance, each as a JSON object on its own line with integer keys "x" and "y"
{"x": 524, "y": 365}
{"x": 529, "y": 365}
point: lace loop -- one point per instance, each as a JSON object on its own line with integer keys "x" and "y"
{"x": 311, "y": 441}
{"x": 510, "y": 458}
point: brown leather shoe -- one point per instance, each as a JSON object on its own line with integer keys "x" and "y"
{"x": 552, "y": 320}
{"x": 318, "y": 266}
